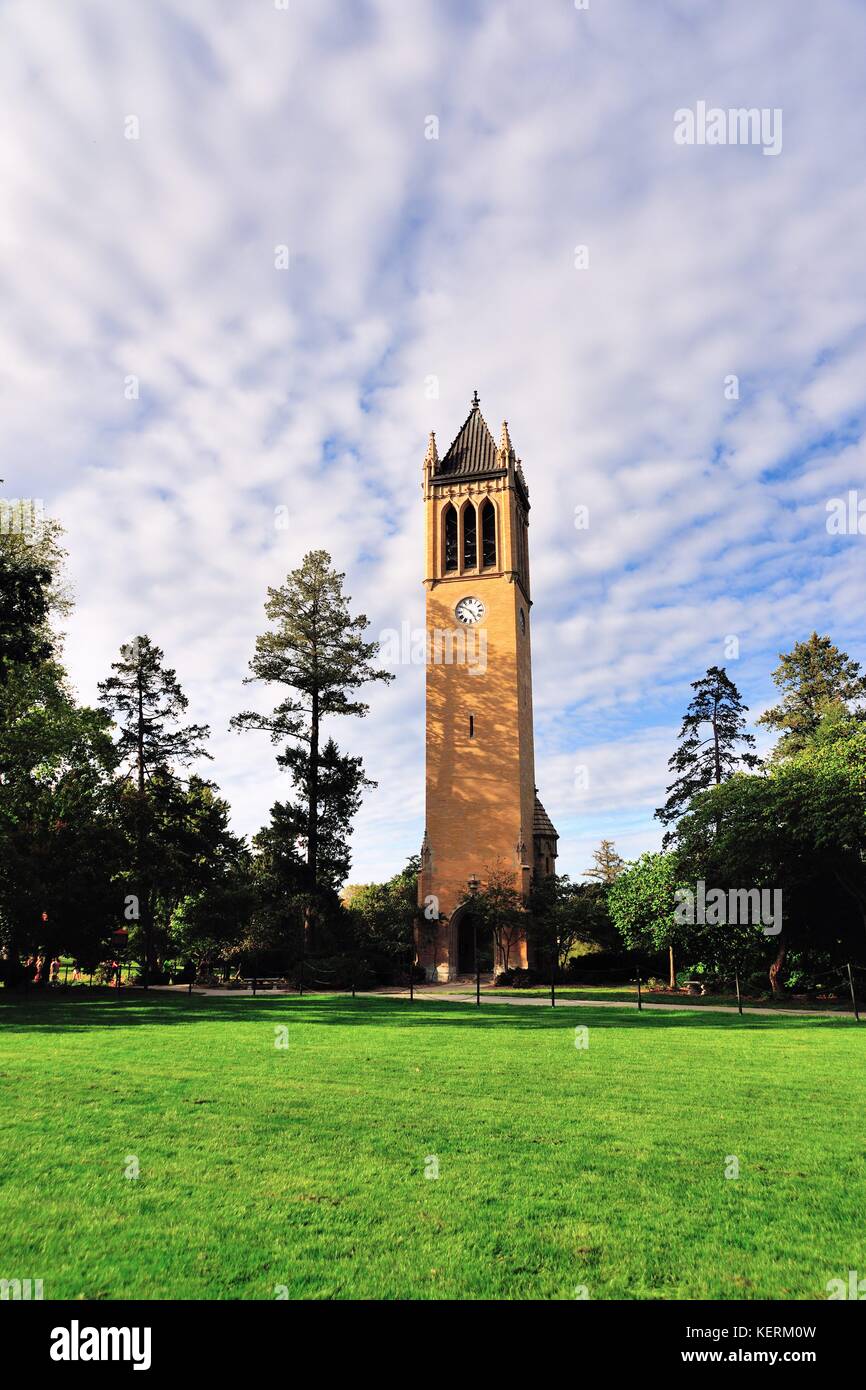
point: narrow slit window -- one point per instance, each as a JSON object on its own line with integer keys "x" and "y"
{"x": 450, "y": 538}
{"x": 488, "y": 535}
{"x": 470, "y": 538}
{"x": 472, "y": 726}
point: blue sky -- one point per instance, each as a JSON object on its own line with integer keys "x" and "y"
{"x": 411, "y": 259}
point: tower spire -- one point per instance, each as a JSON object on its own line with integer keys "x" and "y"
{"x": 505, "y": 446}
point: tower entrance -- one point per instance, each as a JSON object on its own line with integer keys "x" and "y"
{"x": 466, "y": 931}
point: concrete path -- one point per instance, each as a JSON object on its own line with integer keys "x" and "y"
{"x": 442, "y": 994}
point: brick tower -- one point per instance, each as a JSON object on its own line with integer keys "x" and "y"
{"x": 482, "y": 811}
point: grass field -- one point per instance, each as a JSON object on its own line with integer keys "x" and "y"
{"x": 304, "y": 1167}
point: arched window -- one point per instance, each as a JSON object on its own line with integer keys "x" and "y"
{"x": 488, "y": 534}
{"x": 450, "y": 538}
{"x": 470, "y": 537}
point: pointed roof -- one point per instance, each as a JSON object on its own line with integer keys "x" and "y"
{"x": 473, "y": 450}
{"x": 541, "y": 822}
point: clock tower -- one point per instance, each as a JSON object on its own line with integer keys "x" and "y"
{"x": 483, "y": 816}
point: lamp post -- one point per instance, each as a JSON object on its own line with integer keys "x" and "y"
{"x": 474, "y": 885}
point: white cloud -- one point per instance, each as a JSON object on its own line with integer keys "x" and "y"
{"x": 409, "y": 257}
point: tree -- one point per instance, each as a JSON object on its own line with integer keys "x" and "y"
{"x": 317, "y": 652}
{"x": 24, "y": 606}
{"x": 817, "y": 679}
{"x": 822, "y": 790}
{"x": 710, "y": 738}
{"x": 195, "y": 859}
{"x": 341, "y": 784}
{"x": 31, "y": 591}
{"x": 384, "y": 915}
{"x": 60, "y": 847}
{"x": 501, "y": 911}
{"x": 607, "y": 865}
{"x": 800, "y": 830}
{"x": 146, "y": 703}
{"x": 212, "y": 924}
{"x": 739, "y": 836}
{"x": 642, "y": 903}
{"x": 561, "y": 914}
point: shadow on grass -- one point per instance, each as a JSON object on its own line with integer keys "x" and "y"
{"x": 19, "y": 1013}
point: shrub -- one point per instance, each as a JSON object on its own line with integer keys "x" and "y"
{"x": 522, "y": 979}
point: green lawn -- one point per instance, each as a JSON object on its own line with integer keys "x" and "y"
{"x": 305, "y": 1167}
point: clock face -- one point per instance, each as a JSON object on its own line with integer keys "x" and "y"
{"x": 470, "y": 610}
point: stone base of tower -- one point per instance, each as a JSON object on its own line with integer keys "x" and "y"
{"x": 445, "y": 949}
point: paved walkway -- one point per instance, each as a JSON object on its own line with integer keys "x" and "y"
{"x": 455, "y": 997}
{"x": 442, "y": 994}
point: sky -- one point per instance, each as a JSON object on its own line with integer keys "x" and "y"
{"x": 253, "y": 252}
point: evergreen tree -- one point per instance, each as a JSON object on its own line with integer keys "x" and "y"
{"x": 710, "y": 738}
{"x": 316, "y": 650}
{"x": 146, "y": 702}
{"x": 607, "y": 865}
{"x": 341, "y": 784}
{"x": 818, "y": 681}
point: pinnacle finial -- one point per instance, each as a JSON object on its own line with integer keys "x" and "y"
{"x": 432, "y": 455}
{"x": 475, "y": 401}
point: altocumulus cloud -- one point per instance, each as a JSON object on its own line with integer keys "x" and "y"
{"x": 167, "y": 387}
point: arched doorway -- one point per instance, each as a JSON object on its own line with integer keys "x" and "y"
{"x": 466, "y": 946}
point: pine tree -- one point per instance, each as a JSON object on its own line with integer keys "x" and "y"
{"x": 607, "y": 865}
{"x": 341, "y": 784}
{"x": 708, "y": 753}
{"x": 146, "y": 702}
{"x": 818, "y": 681}
{"x": 317, "y": 651}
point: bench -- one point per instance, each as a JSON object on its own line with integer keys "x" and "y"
{"x": 264, "y": 981}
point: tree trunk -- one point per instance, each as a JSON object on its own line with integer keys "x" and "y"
{"x": 672, "y": 982}
{"x": 776, "y": 968}
{"x": 313, "y": 823}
